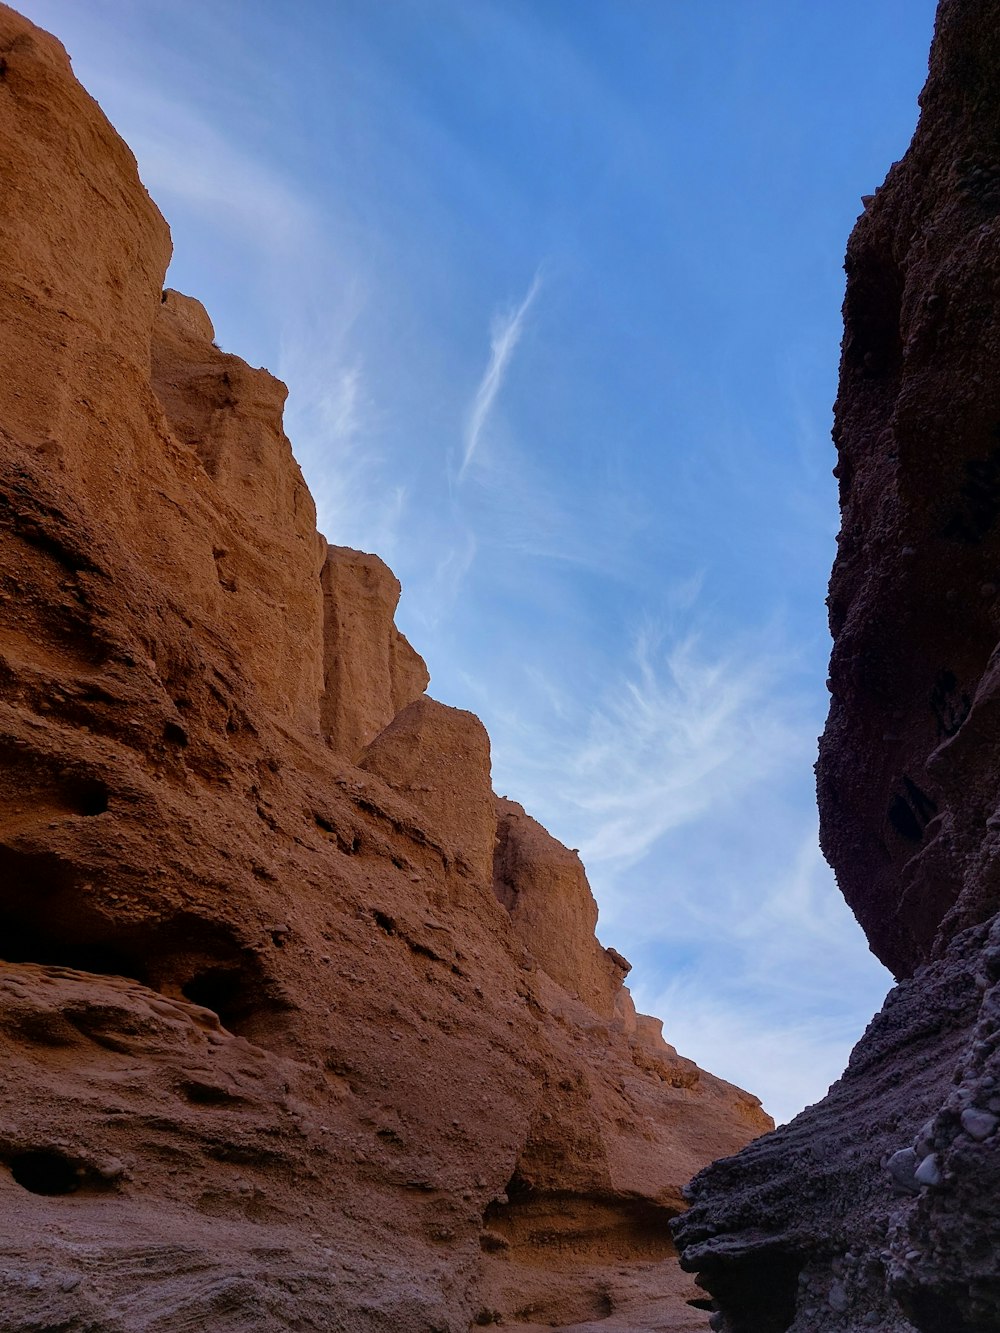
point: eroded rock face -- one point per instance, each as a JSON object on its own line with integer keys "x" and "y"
{"x": 543, "y": 886}
{"x": 259, "y": 571}
{"x": 878, "y": 1207}
{"x": 370, "y": 671}
{"x": 272, "y": 1052}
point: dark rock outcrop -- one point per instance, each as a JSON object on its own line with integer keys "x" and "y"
{"x": 272, "y": 1053}
{"x": 878, "y": 1207}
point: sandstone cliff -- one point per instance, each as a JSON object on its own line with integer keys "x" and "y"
{"x": 299, "y": 1027}
{"x": 879, "y": 1207}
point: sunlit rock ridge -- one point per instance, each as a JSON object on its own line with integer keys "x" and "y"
{"x": 300, "y": 1026}
{"x": 880, "y": 1206}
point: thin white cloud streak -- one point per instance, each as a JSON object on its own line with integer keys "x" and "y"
{"x": 504, "y": 337}
{"x": 777, "y": 988}
{"x": 184, "y": 157}
{"x": 676, "y": 784}
{"x": 432, "y": 602}
{"x": 337, "y": 427}
{"x": 684, "y": 731}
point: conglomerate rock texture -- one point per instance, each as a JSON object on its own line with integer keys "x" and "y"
{"x": 299, "y": 1026}
{"x": 880, "y": 1206}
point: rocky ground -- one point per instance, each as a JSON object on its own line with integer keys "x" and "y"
{"x": 301, "y": 1027}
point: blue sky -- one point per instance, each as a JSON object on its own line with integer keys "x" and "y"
{"x": 555, "y": 286}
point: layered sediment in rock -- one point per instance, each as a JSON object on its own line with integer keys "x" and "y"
{"x": 273, "y": 1052}
{"x": 879, "y": 1206}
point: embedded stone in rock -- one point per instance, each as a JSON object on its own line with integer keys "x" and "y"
{"x": 901, "y": 1167}
{"x": 979, "y": 1125}
{"x": 929, "y": 1171}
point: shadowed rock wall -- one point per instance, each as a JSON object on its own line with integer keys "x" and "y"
{"x": 878, "y": 1207}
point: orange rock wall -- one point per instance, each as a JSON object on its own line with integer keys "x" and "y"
{"x": 370, "y": 671}
{"x": 272, "y": 1052}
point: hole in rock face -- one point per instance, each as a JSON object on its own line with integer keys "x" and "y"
{"x": 174, "y": 734}
{"x": 941, "y": 1311}
{"x": 758, "y": 1297}
{"x": 236, "y": 988}
{"x": 518, "y": 1189}
{"x": 87, "y": 797}
{"x": 50, "y": 917}
{"x": 45, "y": 918}
{"x": 207, "y": 1094}
{"x": 44, "y": 1172}
{"x": 384, "y": 922}
{"x": 23, "y": 943}
{"x": 223, "y": 991}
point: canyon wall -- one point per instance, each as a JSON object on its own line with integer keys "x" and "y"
{"x": 879, "y": 1207}
{"x": 300, "y": 1027}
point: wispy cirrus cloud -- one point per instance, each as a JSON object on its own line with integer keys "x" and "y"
{"x": 686, "y": 727}
{"x": 783, "y": 992}
{"x": 675, "y": 779}
{"x": 504, "y": 337}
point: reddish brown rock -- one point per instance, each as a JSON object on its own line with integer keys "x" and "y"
{"x": 543, "y": 886}
{"x": 272, "y": 1054}
{"x": 878, "y": 1207}
{"x": 439, "y": 759}
{"x": 370, "y": 671}
{"x": 262, "y": 563}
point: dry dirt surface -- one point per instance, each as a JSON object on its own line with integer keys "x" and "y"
{"x": 880, "y": 1206}
{"x": 300, "y": 1027}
